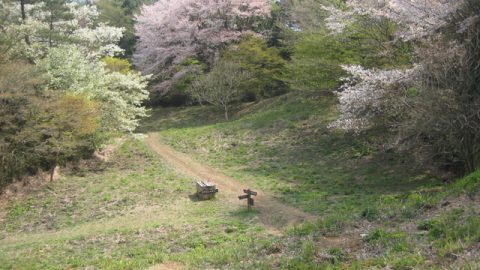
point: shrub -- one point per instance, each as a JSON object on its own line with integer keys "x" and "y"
{"x": 117, "y": 65}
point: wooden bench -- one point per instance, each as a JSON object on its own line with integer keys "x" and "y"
{"x": 206, "y": 190}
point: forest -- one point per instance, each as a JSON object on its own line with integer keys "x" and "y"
{"x": 358, "y": 123}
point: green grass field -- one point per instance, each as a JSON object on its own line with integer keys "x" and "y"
{"x": 375, "y": 209}
{"x": 284, "y": 145}
{"x": 133, "y": 214}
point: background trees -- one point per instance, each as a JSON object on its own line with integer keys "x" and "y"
{"x": 64, "y": 128}
{"x": 264, "y": 64}
{"x": 171, "y": 32}
{"x": 59, "y": 101}
{"x": 121, "y": 13}
{"x": 445, "y": 118}
{"x": 383, "y": 59}
{"x": 430, "y": 104}
{"x": 221, "y": 86}
{"x": 18, "y": 81}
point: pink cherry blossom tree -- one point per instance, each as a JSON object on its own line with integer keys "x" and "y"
{"x": 172, "y": 31}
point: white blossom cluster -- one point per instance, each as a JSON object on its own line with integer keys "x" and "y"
{"x": 372, "y": 93}
{"x": 369, "y": 93}
{"x": 100, "y": 41}
{"x": 73, "y": 60}
{"x": 417, "y": 18}
{"x": 338, "y": 19}
{"x": 120, "y": 95}
{"x": 81, "y": 28}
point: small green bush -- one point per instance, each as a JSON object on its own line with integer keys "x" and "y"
{"x": 395, "y": 241}
{"x": 117, "y": 64}
{"x": 370, "y": 213}
{"x": 427, "y": 225}
{"x": 337, "y": 255}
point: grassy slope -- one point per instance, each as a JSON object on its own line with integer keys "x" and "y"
{"x": 135, "y": 212}
{"x": 283, "y": 145}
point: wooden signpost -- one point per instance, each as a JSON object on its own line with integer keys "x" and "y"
{"x": 248, "y": 196}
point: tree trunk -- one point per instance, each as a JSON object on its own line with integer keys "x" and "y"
{"x": 226, "y": 112}
{"x": 24, "y": 17}
{"x": 50, "y": 42}
{"x": 52, "y": 172}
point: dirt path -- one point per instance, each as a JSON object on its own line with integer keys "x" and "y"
{"x": 273, "y": 214}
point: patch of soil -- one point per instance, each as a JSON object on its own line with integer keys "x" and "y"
{"x": 167, "y": 266}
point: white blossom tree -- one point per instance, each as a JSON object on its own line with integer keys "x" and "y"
{"x": 120, "y": 95}
{"x": 416, "y": 18}
{"x": 78, "y": 24}
{"x": 372, "y": 93}
{"x": 69, "y": 47}
{"x": 432, "y": 106}
{"x": 369, "y": 94}
{"x": 171, "y": 31}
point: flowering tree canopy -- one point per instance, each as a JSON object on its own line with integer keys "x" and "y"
{"x": 120, "y": 95}
{"x": 77, "y": 24}
{"x": 171, "y": 31}
{"x": 371, "y": 93}
{"x": 417, "y": 18}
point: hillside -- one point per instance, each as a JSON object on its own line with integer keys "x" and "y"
{"x": 354, "y": 124}
{"x": 136, "y": 210}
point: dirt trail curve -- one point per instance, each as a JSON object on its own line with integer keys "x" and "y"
{"x": 272, "y": 213}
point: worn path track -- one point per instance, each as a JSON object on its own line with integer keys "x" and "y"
{"x": 272, "y": 213}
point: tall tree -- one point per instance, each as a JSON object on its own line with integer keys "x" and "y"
{"x": 170, "y": 32}
{"x": 264, "y": 63}
{"x": 55, "y": 22}
{"x": 221, "y": 86}
{"x": 65, "y": 126}
{"x": 57, "y": 13}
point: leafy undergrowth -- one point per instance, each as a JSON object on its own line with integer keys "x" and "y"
{"x": 373, "y": 201}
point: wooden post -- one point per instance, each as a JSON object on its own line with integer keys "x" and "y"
{"x": 249, "y": 193}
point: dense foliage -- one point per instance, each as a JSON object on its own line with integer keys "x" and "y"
{"x": 221, "y": 86}
{"x": 171, "y": 32}
{"x": 386, "y": 60}
{"x": 121, "y": 13}
{"x": 430, "y": 104}
{"x": 59, "y": 100}
{"x": 264, "y": 63}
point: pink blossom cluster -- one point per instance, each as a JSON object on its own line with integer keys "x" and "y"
{"x": 172, "y": 31}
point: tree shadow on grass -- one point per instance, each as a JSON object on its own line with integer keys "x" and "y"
{"x": 242, "y": 213}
